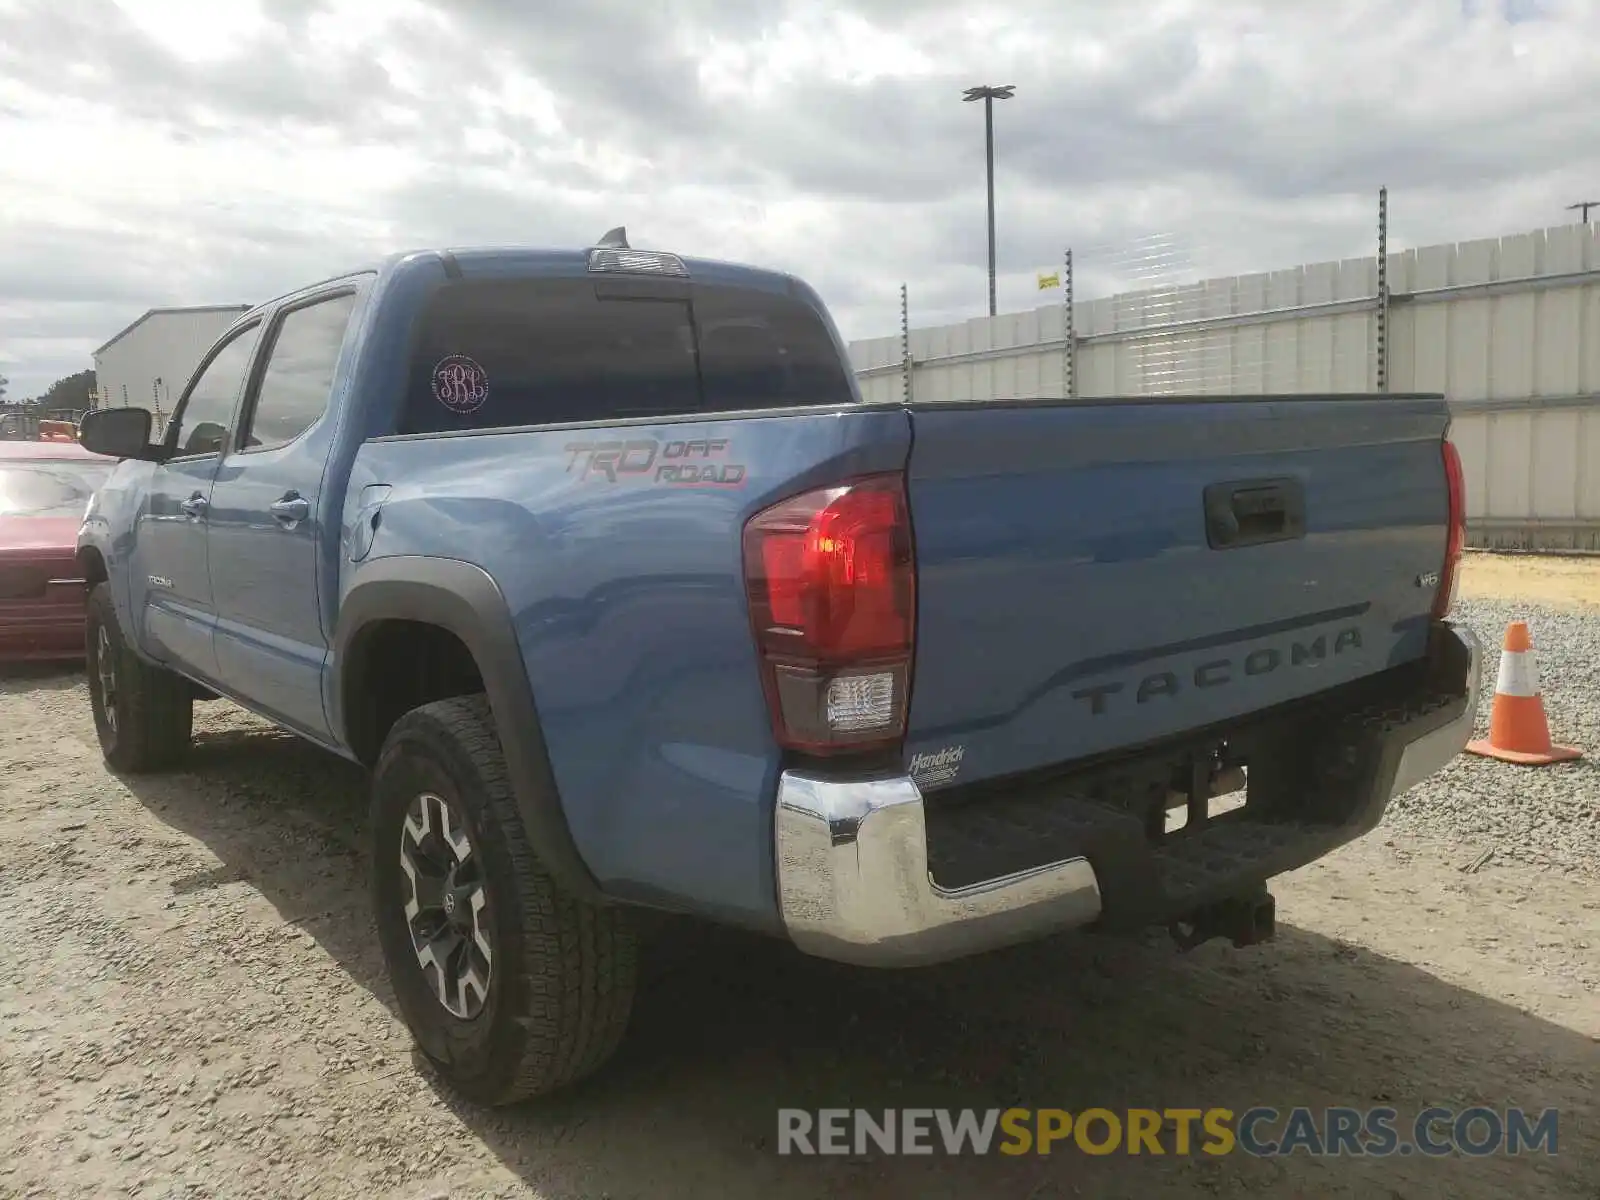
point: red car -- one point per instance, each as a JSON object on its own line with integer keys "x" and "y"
{"x": 44, "y": 489}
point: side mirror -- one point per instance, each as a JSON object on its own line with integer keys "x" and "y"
{"x": 120, "y": 433}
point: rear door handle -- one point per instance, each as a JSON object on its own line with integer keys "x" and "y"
{"x": 194, "y": 506}
{"x": 292, "y": 509}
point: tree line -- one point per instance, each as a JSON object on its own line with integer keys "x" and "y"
{"x": 69, "y": 394}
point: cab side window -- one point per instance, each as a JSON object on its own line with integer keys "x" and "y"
{"x": 200, "y": 425}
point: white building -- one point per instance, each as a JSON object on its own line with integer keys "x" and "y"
{"x": 149, "y": 362}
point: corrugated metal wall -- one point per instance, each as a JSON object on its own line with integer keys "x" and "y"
{"x": 1521, "y": 365}
{"x": 165, "y": 346}
{"x": 1507, "y": 328}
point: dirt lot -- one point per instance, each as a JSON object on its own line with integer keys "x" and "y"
{"x": 1571, "y": 580}
{"x": 192, "y": 1004}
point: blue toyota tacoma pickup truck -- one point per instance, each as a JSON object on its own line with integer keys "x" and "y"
{"x": 600, "y": 563}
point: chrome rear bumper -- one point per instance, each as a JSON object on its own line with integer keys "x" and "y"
{"x": 1430, "y": 752}
{"x": 853, "y": 881}
{"x": 852, "y": 855}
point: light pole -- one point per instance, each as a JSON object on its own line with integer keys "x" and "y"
{"x": 1583, "y": 207}
{"x": 989, "y": 95}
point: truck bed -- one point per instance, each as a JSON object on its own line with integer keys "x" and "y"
{"x": 1068, "y": 600}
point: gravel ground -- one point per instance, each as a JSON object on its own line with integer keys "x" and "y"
{"x": 192, "y": 1003}
{"x": 1546, "y": 816}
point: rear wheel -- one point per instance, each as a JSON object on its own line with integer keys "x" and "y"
{"x": 511, "y": 987}
{"x": 143, "y": 714}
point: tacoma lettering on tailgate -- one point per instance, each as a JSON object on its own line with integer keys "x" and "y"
{"x": 1221, "y": 672}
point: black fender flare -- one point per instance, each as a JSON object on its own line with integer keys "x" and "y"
{"x": 464, "y": 599}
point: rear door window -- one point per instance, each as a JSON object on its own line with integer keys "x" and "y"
{"x": 295, "y": 386}
{"x": 500, "y": 354}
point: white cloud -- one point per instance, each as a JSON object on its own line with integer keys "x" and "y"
{"x": 173, "y": 151}
{"x": 195, "y": 30}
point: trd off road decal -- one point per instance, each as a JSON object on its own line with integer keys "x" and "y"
{"x": 460, "y": 384}
{"x": 690, "y": 462}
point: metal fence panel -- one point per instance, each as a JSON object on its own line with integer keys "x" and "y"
{"x": 1507, "y": 328}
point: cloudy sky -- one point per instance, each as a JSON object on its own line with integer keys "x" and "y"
{"x": 212, "y": 151}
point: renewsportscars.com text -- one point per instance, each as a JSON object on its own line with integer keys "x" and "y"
{"x": 1263, "y": 1132}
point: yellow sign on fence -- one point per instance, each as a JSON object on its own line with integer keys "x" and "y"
{"x": 1052, "y": 280}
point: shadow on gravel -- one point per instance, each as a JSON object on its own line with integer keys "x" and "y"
{"x": 728, "y": 1029}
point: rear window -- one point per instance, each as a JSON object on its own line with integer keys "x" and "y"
{"x": 497, "y": 354}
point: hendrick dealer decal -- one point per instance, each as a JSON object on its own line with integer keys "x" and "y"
{"x": 941, "y": 766}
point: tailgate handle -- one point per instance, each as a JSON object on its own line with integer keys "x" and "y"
{"x": 1250, "y": 512}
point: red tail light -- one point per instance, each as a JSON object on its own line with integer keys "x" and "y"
{"x": 831, "y": 578}
{"x": 1456, "y": 538}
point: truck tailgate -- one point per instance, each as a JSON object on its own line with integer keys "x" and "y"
{"x": 1095, "y": 576}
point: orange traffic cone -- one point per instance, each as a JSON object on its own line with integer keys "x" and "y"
{"x": 1518, "y": 731}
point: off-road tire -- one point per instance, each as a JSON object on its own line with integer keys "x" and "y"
{"x": 149, "y": 724}
{"x": 560, "y": 987}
